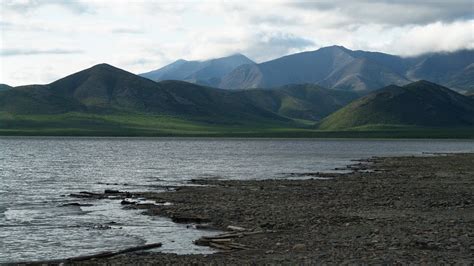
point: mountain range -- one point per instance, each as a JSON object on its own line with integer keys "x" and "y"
{"x": 104, "y": 99}
{"x": 332, "y": 67}
{"x": 208, "y": 73}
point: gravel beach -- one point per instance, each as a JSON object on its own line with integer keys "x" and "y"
{"x": 388, "y": 210}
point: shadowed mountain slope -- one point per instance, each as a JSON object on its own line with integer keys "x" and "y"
{"x": 420, "y": 103}
{"x": 333, "y": 67}
{"x": 4, "y": 87}
{"x": 340, "y": 68}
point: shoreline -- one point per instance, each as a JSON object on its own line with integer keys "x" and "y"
{"x": 388, "y": 210}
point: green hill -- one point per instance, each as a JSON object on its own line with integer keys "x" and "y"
{"x": 104, "y": 89}
{"x": 419, "y": 104}
{"x": 104, "y": 100}
{"x": 301, "y": 101}
{"x": 107, "y": 98}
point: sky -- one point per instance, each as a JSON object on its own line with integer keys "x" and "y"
{"x": 44, "y": 40}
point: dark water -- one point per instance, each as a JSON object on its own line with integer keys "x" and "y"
{"x": 36, "y": 172}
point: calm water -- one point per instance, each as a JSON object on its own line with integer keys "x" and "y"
{"x": 36, "y": 173}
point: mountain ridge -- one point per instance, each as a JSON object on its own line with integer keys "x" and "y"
{"x": 334, "y": 67}
{"x": 340, "y": 68}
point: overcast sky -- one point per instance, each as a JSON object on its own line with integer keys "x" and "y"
{"x": 43, "y": 40}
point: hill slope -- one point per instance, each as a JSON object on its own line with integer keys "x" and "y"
{"x": 104, "y": 89}
{"x": 302, "y": 101}
{"x": 207, "y": 72}
{"x": 4, "y": 87}
{"x": 420, "y": 103}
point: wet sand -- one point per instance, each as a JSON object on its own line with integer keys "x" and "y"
{"x": 389, "y": 210}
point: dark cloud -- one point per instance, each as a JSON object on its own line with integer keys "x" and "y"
{"x": 19, "y": 52}
{"x": 75, "y": 6}
{"x": 401, "y": 12}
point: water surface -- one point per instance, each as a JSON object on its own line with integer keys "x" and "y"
{"x": 37, "y": 172}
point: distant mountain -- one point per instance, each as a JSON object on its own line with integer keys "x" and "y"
{"x": 333, "y": 67}
{"x": 208, "y": 73}
{"x": 4, "y": 87}
{"x": 104, "y": 89}
{"x": 420, "y": 103}
{"x": 455, "y": 70}
{"x": 340, "y": 68}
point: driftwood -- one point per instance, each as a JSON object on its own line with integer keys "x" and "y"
{"x": 236, "y": 228}
{"x": 108, "y": 254}
{"x": 226, "y": 241}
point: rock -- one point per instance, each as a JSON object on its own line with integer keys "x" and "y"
{"x": 128, "y": 202}
{"x": 299, "y": 247}
{"x": 111, "y": 191}
{"x": 184, "y": 219}
{"x": 77, "y": 204}
{"x": 101, "y": 227}
{"x": 203, "y": 226}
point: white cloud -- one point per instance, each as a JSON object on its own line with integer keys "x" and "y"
{"x": 435, "y": 37}
{"x": 143, "y": 35}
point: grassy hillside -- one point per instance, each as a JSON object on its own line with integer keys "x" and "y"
{"x": 80, "y": 124}
{"x": 104, "y": 89}
{"x": 420, "y": 103}
{"x": 305, "y": 101}
{"x": 106, "y": 101}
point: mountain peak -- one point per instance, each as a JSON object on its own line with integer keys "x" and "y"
{"x": 335, "y": 47}
{"x": 103, "y": 65}
{"x": 237, "y": 55}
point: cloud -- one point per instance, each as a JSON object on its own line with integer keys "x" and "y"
{"x": 22, "y": 6}
{"x": 268, "y": 46}
{"x": 126, "y": 31}
{"x": 390, "y": 12}
{"x": 20, "y": 52}
{"x": 140, "y": 35}
{"x": 435, "y": 37}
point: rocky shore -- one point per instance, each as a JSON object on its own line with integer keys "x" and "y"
{"x": 389, "y": 210}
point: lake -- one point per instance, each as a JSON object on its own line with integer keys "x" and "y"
{"x": 37, "y": 174}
